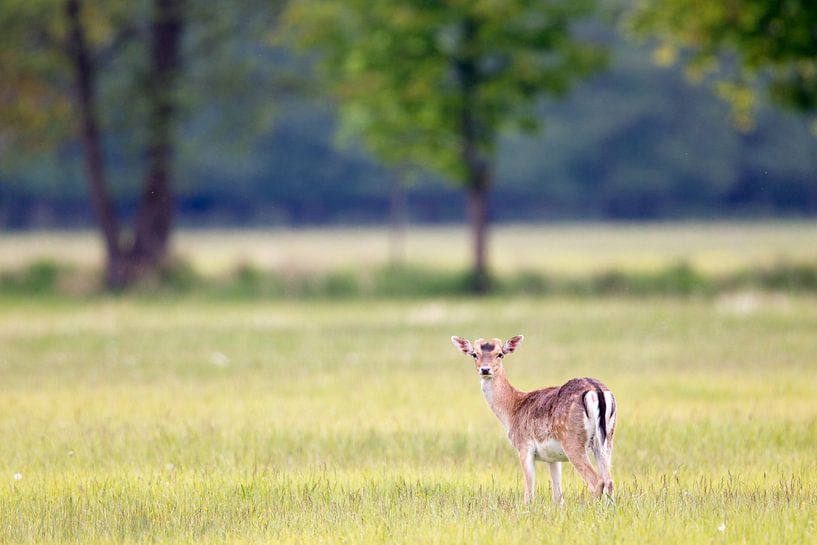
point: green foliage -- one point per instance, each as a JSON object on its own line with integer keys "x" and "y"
{"x": 626, "y": 144}
{"x": 413, "y": 281}
{"x": 35, "y": 77}
{"x": 770, "y": 40}
{"x": 782, "y": 276}
{"x": 680, "y": 279}
{"x": 41, "y": 277}
{"x": 405, "y": 72}
{"x": 251, "y": 281}
{"x": 178, "y": 277}
{"x": 224, "y": 48}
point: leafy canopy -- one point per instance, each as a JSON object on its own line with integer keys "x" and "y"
{"x": 224, "y": 48}
{"x": 774, "y": 40}
{"x": 398, "y": 67}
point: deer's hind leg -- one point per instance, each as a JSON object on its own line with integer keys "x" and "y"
{"x": 575, "y": 444}
{"x": 604, "y": 463}
{"x": 577, "y": 455}
{"x": 608, "y": 485}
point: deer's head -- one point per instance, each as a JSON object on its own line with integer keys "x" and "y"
{"x": 487, "y": 353}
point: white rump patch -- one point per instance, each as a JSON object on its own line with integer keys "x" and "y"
{"x": 591, "y": 415}
{"x": 609, "y": 417}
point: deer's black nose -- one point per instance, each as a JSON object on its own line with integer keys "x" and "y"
{"x": 484, "y": 370}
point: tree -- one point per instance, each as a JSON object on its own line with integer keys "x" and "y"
{"x": 432, "y": 84}
{"x": 62, "y": 47}
{"x": 129, "y": 61}
{"x": 747, "y": 42}
{"x": 128, "y": 259}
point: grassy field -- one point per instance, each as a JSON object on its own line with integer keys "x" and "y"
{"x": 565, "y": 249}
{"x": 178, "y": 420}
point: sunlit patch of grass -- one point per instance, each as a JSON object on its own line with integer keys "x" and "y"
{"x": 131, "y": 420}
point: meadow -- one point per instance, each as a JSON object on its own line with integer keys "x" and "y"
{"x": 171, "y": 419}
{"x": 568, "y": 248}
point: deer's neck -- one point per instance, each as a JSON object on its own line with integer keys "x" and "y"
{"x": 501, "y": 397}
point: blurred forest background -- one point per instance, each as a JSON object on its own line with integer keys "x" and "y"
{"x": 246, "y": 113}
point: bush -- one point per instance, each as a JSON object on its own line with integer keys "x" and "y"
{"x": 178, "y": 275}
{"x": 417, "y": 282}
{"x": 39, "y": 277}
{"x": 784, "y": 276}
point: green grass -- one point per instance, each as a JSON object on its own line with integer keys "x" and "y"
{"x": 182, "y": 420}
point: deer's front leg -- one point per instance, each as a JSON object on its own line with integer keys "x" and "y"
{"x": 556, "y": 482}
{"x": 526, "y": 460}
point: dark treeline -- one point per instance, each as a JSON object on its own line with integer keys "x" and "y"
{"x": 637, "y": 141}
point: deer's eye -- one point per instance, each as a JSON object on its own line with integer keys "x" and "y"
{"x": 501, "y": 355}
{"x": 473, "y": 355}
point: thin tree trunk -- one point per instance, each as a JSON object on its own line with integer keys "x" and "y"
{"x": 85, "y": 79}
{"x": 397, "y": 219}
{"x": 155, "y": 211}
{"x": 477, "y": 167}
{"x": 478, "y": 212}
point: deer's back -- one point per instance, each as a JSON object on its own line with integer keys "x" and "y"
{"x": 548, "y": 413}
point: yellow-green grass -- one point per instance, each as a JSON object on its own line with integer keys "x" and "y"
{"x": 357, "y": 422}
{"x": 562, "y": 249}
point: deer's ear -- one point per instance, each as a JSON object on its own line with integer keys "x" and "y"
{"x": 463, "y": 345}
{"x": 512, "y": 344}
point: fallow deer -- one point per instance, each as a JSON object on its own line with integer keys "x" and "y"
{"x": 554, "y": 425}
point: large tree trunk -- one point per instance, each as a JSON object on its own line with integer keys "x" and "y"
{"x": 151, "y": 234}
{"x": 85, "y": 78}
{"x": 155, "y": 211}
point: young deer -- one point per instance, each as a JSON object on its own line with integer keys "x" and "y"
{"x": 552, "y": 424}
